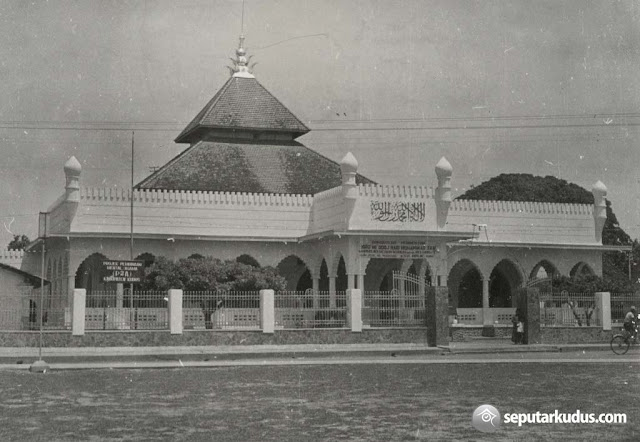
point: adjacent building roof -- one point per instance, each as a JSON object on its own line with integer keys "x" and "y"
{"x": 249, "y": 166}
{"x": 242, "y": 103}
{"x": 31, "y": 279}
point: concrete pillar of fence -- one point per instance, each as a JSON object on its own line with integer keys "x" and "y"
{"x": 78, "y": 311}
{"x": 175, "y": 311}
{"x": 528, "y": 301}
{"x": 437, "y": 317}
{"x": 267, "y": 311}
{"x": 603, "y": 309}
{"x": 354, "y": 314}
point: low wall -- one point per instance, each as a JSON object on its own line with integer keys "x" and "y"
{"x": 576, "y": 335}
{"x": 462, "y": 333}
{"x": 209, "y": 337}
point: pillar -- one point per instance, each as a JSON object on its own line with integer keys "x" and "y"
{"x": 361, "y": 282}
{"x": 354, "y": 312}
{"x": 315, "y": 286}
{"x": 119, "y": 294}
{"x": 351, "y": 281}
{"x": 487, "y": 318}
{"x": 437, "y": 310}
{"x": 332, "y": 291}
{"x": 603, "y": 309}
{"x": 175, "y": 311}
{"x": 267, "y": 311}
{"x": 78, "y": 312}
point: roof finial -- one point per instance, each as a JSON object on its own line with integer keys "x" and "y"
{"x": 240, "y": 68}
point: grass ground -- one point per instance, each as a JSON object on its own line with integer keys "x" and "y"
{"x": 295, "y": 403}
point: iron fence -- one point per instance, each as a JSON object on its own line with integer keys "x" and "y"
{"x": 126, "y": 310}
{"x": 569, "y": 309}
{"x": 22, "y": 311}
{"x": 310, "y": 309}
{"x": 620, "y": 304}
{"x": 203, "y": 310}
{"x": 393, "y": 309}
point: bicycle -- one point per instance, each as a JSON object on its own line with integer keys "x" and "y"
{"x": 621, "y": 342}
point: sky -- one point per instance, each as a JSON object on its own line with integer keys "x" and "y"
{"x": 544, "y": 87}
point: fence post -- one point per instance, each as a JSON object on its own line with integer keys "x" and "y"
{"x": 78, "y": 311}
{"x": 175, "y": 311}
{"x": 354, "y": 314}
{"x": 267, "y": 311}
{"x": 603, "y": 309}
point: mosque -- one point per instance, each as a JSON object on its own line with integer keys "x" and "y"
{"x": 245, "y": 187}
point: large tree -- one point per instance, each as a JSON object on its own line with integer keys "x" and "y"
{"x": 19, "y": 242}
{"x": 526, "y": 187}
{"x": 209, "y": 274}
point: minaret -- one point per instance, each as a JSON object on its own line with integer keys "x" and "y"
{"x": 599, "y": 191}
{"x": 443, "y": 191}
{"x": 72, "y": 171}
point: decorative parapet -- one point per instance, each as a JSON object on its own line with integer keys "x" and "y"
{"x": 521, "y": 207}
{"x": 119, "y": 195}
{"x": 12, "y": 258}
{"x": 328, "y": 194}
{"x": 398, "y": 191}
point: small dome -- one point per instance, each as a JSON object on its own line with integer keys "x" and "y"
{"x": 443, "y": 168}
{"x": 599, "y": 187}
{"x": 349, "y": 164}
{"x": 72, "y": 166}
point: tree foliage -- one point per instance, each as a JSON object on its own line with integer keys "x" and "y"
{"x": 19, "y": 242}
{"x": 526, "y": 187}
{"x": 208, "y": 273}
{"x": 549, "y": 189}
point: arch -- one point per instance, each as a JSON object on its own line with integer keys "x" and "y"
{"x": 543, "y": 269}
{"x": 341, "y": 275}
{"x": 88, "y": 275}
{"x": 503, "y": 281}
{"x": 248, "y": 260}
{"x": 324, "y": 277}
{"x": 379, "y": 273}
{"x": 580, "y": 270}
{"x": 465, "y": 285}
{"x": 292, "y": 268}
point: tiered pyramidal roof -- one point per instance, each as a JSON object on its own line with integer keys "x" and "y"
{"x": 243, "y": 140}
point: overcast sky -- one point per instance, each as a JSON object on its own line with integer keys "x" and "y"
{"x": 420, "y": 79}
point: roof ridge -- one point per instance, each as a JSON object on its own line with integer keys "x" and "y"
{"x": 204, "y": 111}
{"x": 282, "y": 104}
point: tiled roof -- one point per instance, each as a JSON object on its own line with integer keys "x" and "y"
{"x": 242, "y": 103}
{"x": 258, "y": 167}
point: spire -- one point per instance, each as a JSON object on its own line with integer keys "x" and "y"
{"x": 240, "y": 68}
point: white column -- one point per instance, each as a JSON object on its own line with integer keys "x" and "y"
{"x": 267, "y": 311}
{"x": 351, "y": 281}
{"x": 119, "y": 294}
{"x": 361, "y": 283}
{"x": 175, "y": 311}
{"x": 486, "y": 312}
{"x": 603, "y": 309}
{"x": 316, "y": 288}
{"x": 78, "y": 312}
{"x": 332, "y": 291}
{"x": 354, "y": 314}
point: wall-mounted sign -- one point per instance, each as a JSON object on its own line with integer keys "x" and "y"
{"x": 392, "y": 211}
{"x": 122, "y": 271}
{"x": 397, "y": 249}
